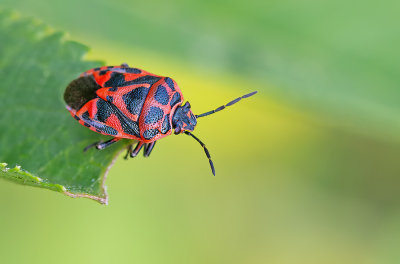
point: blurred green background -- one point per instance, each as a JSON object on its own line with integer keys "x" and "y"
{"x": 307, "y": 170}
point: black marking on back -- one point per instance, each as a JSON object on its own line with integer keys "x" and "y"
{"x": 176, "y": 98}
{"x": 96, "y": 69}
{"x": 131, "y": 129}
{"x": 117, "y": 79}
{"x": 132, "y": 70}
{"x": 85, "y": 116}
{"x": 102, "y": 72}
{"x": 104, "y": 110}
{"x": 170, "y": 83}
{"x": 109, "y": 98}
{"x": 150, "y": 133}
{"x": 109, "y": 130}
{"x": 147, "y": 79}
{"x": 80, "y": 91}
{"x": 98, "y": 126}
{"x": 165, "y": 125}
{"x": 161, "y": 95}
{"x": 128, "y": 125}
{"x": 154, "y": 115}
{"x": 134, "y": 100}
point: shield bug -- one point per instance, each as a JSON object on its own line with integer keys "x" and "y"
{"x": 131, "y": 103}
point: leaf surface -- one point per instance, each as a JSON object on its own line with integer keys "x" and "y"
{"x": 39, "y": 140}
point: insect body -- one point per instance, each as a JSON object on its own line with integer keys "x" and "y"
{"x": 125, "y": 102}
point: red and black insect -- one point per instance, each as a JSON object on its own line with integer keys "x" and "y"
{"x": 125, "y": 102}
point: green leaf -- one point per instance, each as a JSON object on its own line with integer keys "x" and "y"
{"x": 39, "y": 138}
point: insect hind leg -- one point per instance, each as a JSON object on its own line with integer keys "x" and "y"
{"x": 101, "y": 145}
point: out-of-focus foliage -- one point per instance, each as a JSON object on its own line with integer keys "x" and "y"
{"x": 289, "y": 188}
{"x": 336, "y": 59}
{"x": 37, "y": 134}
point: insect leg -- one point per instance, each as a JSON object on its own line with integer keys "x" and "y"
{"x": 102, "y": 145}
{"x": 148, "y": 148}
{"x": 130, "y": 149}
{"x": 91, "y": 146}
{"x": 137, "y": 149}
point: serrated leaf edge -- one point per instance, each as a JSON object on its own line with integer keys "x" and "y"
{"x": 102, "y": 200}
{"x": 24, "y": 177}
{"x": 39, "y": 182}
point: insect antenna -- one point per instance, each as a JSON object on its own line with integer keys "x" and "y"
{"x": 205, "y": 150}
{"x": 228, "y": 104}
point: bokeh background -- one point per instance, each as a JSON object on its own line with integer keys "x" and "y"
{"x": 307, "y": 170}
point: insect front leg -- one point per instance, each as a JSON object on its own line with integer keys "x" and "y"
{"x": 148, "y": 148}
